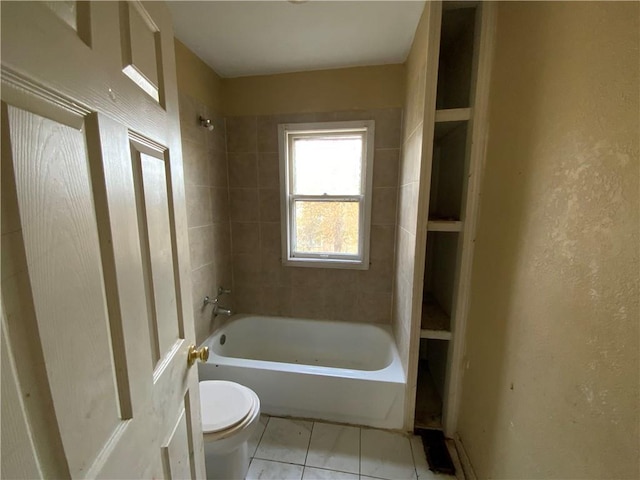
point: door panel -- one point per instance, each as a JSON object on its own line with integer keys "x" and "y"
{"x": 140, "y": 48}
{"x": 66, "y": 10}
{"x": 94, "y": 247}
{"x": 30, "y": 378}
{"x": 16, "y": 461}
{"x": 59, "y": 228}
{"x": 175, "y": 452}
{"x": 115, "y": 206}
{"x": 155, "y": 217}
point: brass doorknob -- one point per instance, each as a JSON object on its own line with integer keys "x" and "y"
{"x": 194, "y": 354}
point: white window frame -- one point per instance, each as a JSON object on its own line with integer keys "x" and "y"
{"x": 286, "y": 133}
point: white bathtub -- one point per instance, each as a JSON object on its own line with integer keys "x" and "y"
{"x": 335, "y": 371}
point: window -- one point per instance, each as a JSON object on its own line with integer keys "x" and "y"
{"x": 326, "y": 172}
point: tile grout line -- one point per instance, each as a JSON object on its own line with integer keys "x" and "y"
{"x": 286, "y": 463}
{"x": 413, "y": 457}
{"x": 277, "y": 461}
{"x": 260, "y": 233}
{"x": 360, "y": 453}
{"x": 258, "y": 444}
{"x": 308, "y": 445}
{"x": 262, "y": 435}
{"x": 331, "y": 470}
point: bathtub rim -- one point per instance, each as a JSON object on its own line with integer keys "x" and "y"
{"x": 393, "y": 372}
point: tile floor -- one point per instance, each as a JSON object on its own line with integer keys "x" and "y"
{"x": 285, "y": 448}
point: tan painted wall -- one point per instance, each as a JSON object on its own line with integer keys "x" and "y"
{"x": 551, "y": 389}
{"x": 196, "y": 79}
{"x": 358, "y": 88}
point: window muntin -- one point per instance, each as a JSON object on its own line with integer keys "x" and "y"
{"x": 326, "y": 172}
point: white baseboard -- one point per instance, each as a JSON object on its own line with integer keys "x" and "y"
{"x": 467, "y": 468}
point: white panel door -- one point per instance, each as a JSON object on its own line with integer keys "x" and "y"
{"x": 96, "y": 315}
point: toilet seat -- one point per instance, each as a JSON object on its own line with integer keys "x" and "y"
{"x": 226, "y": 407}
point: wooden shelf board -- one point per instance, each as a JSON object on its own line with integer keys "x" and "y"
{"x": 435, "y": 334}
{"x": 444, "y": 226}
{"x": 428, "y": 402}
{"x": 458, "y": 5}
{"x": 453, "y": 115}
{"x": 435, "y": 322}
{"x": 428, "y": 425}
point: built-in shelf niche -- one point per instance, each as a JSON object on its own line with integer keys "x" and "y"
{"x": 439, "y": 281}
{"x": 431, "y": 377}
{"x": 456, "y": 157}
{"x": 448, "y": 171}
{"x": 456, "y": 58}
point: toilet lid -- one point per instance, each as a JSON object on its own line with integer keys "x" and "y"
{"x": 223, "y": 404}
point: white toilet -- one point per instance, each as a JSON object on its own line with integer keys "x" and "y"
{"x": 230, "y": 413}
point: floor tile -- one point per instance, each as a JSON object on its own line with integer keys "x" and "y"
{"x": 267, "y": 470}
{"x": 257, "y": 434}
{"x": 285, "y": 440}
{"x": 386, "y": 455}
{"x": 335, "y": 447}
{"x": 311, "y": 473}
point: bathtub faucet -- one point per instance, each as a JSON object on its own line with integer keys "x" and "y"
{"x": 217, "y": 309}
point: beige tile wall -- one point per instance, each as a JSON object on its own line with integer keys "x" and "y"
{"x": 409, "y": 185}
{"x": 207, "y": 194}
{"x": 261, "y": 284}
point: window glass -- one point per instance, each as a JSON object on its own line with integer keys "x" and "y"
{"x": 327, "y": 166}
{"x": 326, "y": 227}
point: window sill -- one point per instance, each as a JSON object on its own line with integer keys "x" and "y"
{"x": 326, "y": 263}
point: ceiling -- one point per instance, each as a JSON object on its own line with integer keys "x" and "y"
{"x": 242, "y": 38}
